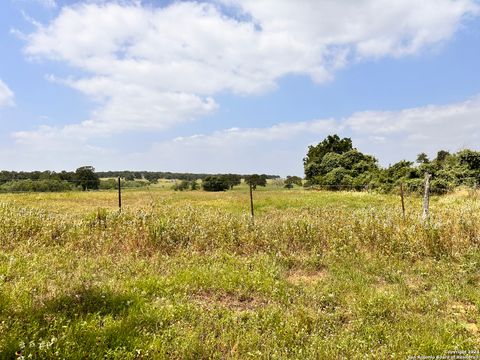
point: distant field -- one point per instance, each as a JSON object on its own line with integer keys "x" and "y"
{"x": 187, "y": 275}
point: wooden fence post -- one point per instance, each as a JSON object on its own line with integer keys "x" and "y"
{"x": 403, "y": 201}
{"x": 251, "y": 202}
{"x": 119, "y": 195}
{"x": 426, "y": 197}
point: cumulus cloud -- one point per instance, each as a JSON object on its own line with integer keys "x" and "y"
{"x": 281, "y": 131}
{"x": 6, "y": 95}
{"x": 365, "y": 27}
{"x": 243, "y": 150}
{"x": 389, "y": 135}
{"x": 410, "y": 131}
{"x": 154, "y": 67}
{"x": 220, "y": 151}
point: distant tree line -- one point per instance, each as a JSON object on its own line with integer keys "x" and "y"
{"x": 332, "y": 164}
{"x": 85, "y": 178}
{"x": 154, "y": 176}
{"x": 223, "y": 182}
{"x": 151, "y": 176}
{"x": 6, "y": 176}
{"x": 41, "y": 181}
{"x": 28, "y": 185}
{"x": 335, "y": 164}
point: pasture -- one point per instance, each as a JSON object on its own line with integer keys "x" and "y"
{"x": 187, "y": 275}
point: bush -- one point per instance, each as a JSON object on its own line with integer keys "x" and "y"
{"x": 440, "y": 187}
{"x": 182, "y": 186}
{"x": 36, "y": 186}
{"x": 109, "y": 184}
{"x": 193, "y": 185}
{"x": 215, "y": 183}
{"x": 293, "y": 180}
{"x": 112, "y": 184}
{"x": 133, "y": 184}
{"x": 414, "y": 186}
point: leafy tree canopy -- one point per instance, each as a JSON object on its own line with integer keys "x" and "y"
{"x": 86, "y": 178}
{"x": 215, "y": 183}
{"x": 422, "y": 158}
{"x": 334, "y": 163}
{"x": 232, "y": 180}
{"x": 293, "y": 180}
{"x": 315, "y": 154}
{"x": 256, "y": 180}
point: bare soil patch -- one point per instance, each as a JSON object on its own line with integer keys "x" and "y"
{"x": 233, "y": 301}
{"x": 302, "y": 277}
{"x": 467, "y": 313}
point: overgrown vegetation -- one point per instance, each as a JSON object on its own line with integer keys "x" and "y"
{"x": 36, "y": 186}
{"x": 111, "y": 184}
{"x": 188, "y": 275}
{"x": 335, "y": 164}
{"x": 186, "y": 185}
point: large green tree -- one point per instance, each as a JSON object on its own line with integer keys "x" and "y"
{"x": 215, "y": 183}
{"x": 422, "y": 158}
{"x": 293, "y": 180}
{"x": 256, "y": 180}
{"x": 336, "y": 164}
{"x": 86, "y": 178}
{"x": 232, "y": 180}
{"x": 315, "y": 154}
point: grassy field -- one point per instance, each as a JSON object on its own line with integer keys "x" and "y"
{"x": 187, "y": 275}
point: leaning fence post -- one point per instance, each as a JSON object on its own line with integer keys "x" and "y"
{"x": 426, "y": 197}
{"x": 403, "y": 201}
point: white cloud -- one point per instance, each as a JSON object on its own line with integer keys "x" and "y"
{"x": 367, "y": 27}
{"x": 281, "y": 131}
{"x": 247, "y": 150}
{"x": 234, "y": 149}
{"x": 6, "y": 95}
{"x": 152, "y": 68}
{"x": 409, "y": 131}
{"x": 388, "y": 135}
{"x": 117, "y": 116}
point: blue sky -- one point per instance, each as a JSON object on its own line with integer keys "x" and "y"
{"x": 233, "y": 86}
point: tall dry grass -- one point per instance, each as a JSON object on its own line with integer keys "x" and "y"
{"x": 452, "y": 230}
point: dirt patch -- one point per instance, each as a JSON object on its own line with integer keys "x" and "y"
{"x": 302, "y": 277}
{"x": 467, "y": 313}
{"x": 463, "y": 307}
{"x": 383, "y": 286}
{"x": 233, "y": 301}
{"x": 416, "y": 285}
{"x": 473, "y": 328}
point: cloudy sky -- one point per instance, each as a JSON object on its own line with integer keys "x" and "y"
{"x": 233, "y": 85}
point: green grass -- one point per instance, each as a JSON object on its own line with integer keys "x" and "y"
{"x": 186, "y": 275}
